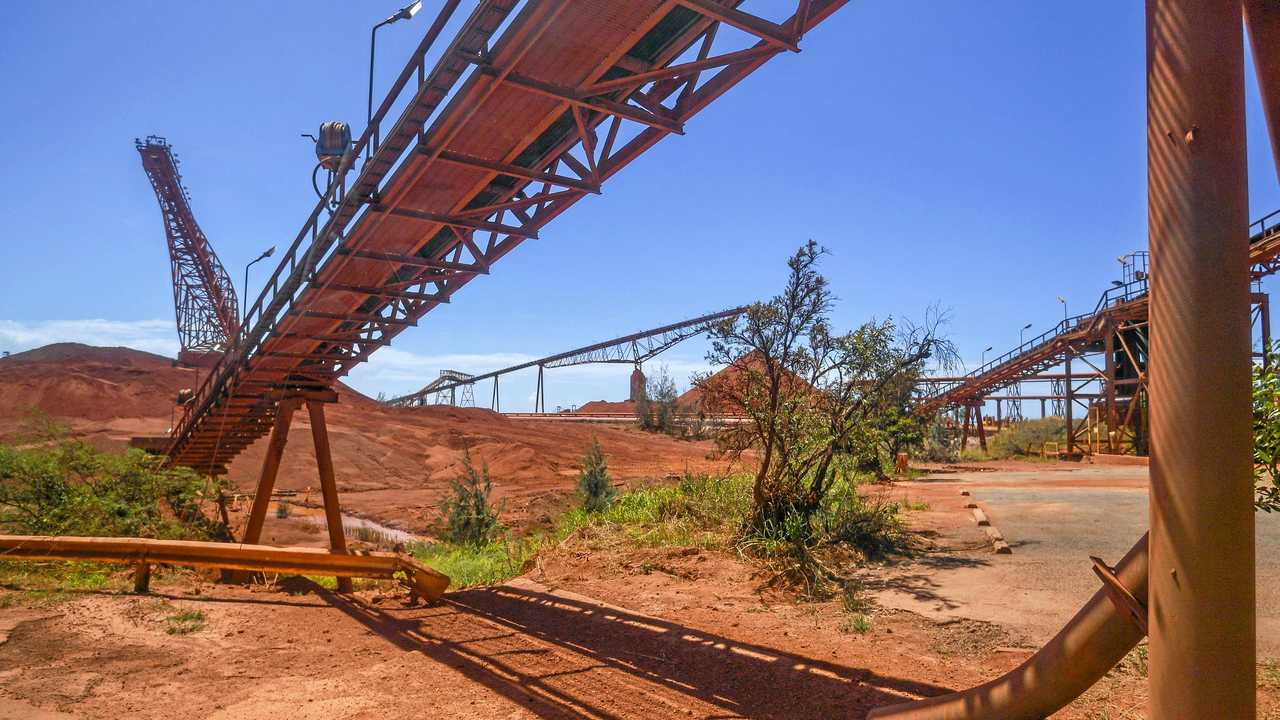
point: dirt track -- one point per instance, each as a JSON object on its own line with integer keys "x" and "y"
{"x": 516, "y": 651}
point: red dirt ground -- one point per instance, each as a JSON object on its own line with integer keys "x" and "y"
{"x": 592, "y": 630}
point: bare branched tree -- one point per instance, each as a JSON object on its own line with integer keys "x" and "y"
{"x": 812, "y": 397}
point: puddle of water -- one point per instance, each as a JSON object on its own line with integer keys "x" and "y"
{"x": 358, "y": 528}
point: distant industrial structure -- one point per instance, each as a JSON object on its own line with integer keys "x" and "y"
{"x": 454, "y": 387}
{"x": 1102, "y": 388}
{"x": 204, "y": 297}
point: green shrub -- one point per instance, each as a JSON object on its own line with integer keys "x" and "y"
{"x": 941, "y": 441}
{"x": 1266, "y": 431}
{"x": 594, "y": 486}
{"x": 71, "y": 488}
{"x": 1027, "y": 437}
{"x": 469, "y": 515}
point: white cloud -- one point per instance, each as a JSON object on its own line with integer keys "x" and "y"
{"x": 156, "y": 336}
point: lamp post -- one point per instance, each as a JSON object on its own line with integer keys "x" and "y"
{"x": 1064, "y": 307}
{"x": 1015, "y": 406}
{"x": 265, "y": 254}
{"x": 405, "y": 13}
{"x": 984, "y": 356}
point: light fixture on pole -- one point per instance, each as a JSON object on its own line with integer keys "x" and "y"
{"x": 1022, "y": 333}
{"x": 984, "y": 355}
{"x": 265, "y": 254}
{"x": 1064, "y": 307}
{"x": 405, "y": 13}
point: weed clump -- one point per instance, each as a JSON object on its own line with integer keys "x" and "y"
{"x": 804, "y": 549}
{"x": 185, "y": 622}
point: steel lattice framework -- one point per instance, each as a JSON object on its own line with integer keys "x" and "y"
{"x": 1106, "y": 331}
{"x": 1124, "y": 303}
{"x": 532, "y": 106}
{"x": 204, "y": 297}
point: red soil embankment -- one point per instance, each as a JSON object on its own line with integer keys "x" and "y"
{"x": 393, "y": 464}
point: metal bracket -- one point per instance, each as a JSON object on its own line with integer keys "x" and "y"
{"x": 1119, "y": 594}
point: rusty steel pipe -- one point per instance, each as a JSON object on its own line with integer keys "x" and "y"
{"x": 1202, "y": 585}
{"x": 425, "y": 581}
{"x": 1263, "y": 20}
{"x": 1088, "y": 646}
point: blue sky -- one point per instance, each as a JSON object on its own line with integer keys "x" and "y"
{"x": 988, "y": 156}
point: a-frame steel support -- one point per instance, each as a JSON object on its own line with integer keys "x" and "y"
{"x": 324, "y": 463}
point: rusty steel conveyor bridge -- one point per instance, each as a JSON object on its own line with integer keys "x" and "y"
{"x": 1120, "y": 309}
{"x": 530, "y": 107}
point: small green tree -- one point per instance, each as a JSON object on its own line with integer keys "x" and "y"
{"x": 469, "y": 514}
{"x": 644, "y": 409}
{"x": 594, "y": 487}
{"x": 661, "y": 395}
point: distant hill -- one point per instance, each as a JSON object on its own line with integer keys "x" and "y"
{"x": 80, "y": 382}
{"x": 391, "y": 463}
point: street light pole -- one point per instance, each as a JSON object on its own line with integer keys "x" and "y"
{"x": 1064, "y": 307}
{"x": 245, "y": 306}
{"x": 984, "y": 356}
{"x": 405, "y": 13}
{"x": 1015, "y": 406}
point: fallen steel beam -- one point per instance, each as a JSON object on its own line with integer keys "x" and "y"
{"x": 423, "y": 581}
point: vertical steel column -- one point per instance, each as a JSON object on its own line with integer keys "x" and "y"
{"x": 982, "y": 430}
{"x": 270, "y": 466}
{"x": 1068, "y": 405}
{"x": 328, "y": 486}
{"x": 1263, "y": 19}
{"x": 1264, "y": 319}
{"x": 539, "y": 400}
{"x": 1109, "y": 390}
{"x": 1202, "y": 587}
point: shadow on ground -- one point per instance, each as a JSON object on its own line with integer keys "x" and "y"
{"x": 918, "y": 578}
{"x": 563, "y": 656}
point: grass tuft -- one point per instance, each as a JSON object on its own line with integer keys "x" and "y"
{"x": 184, "y": 622}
